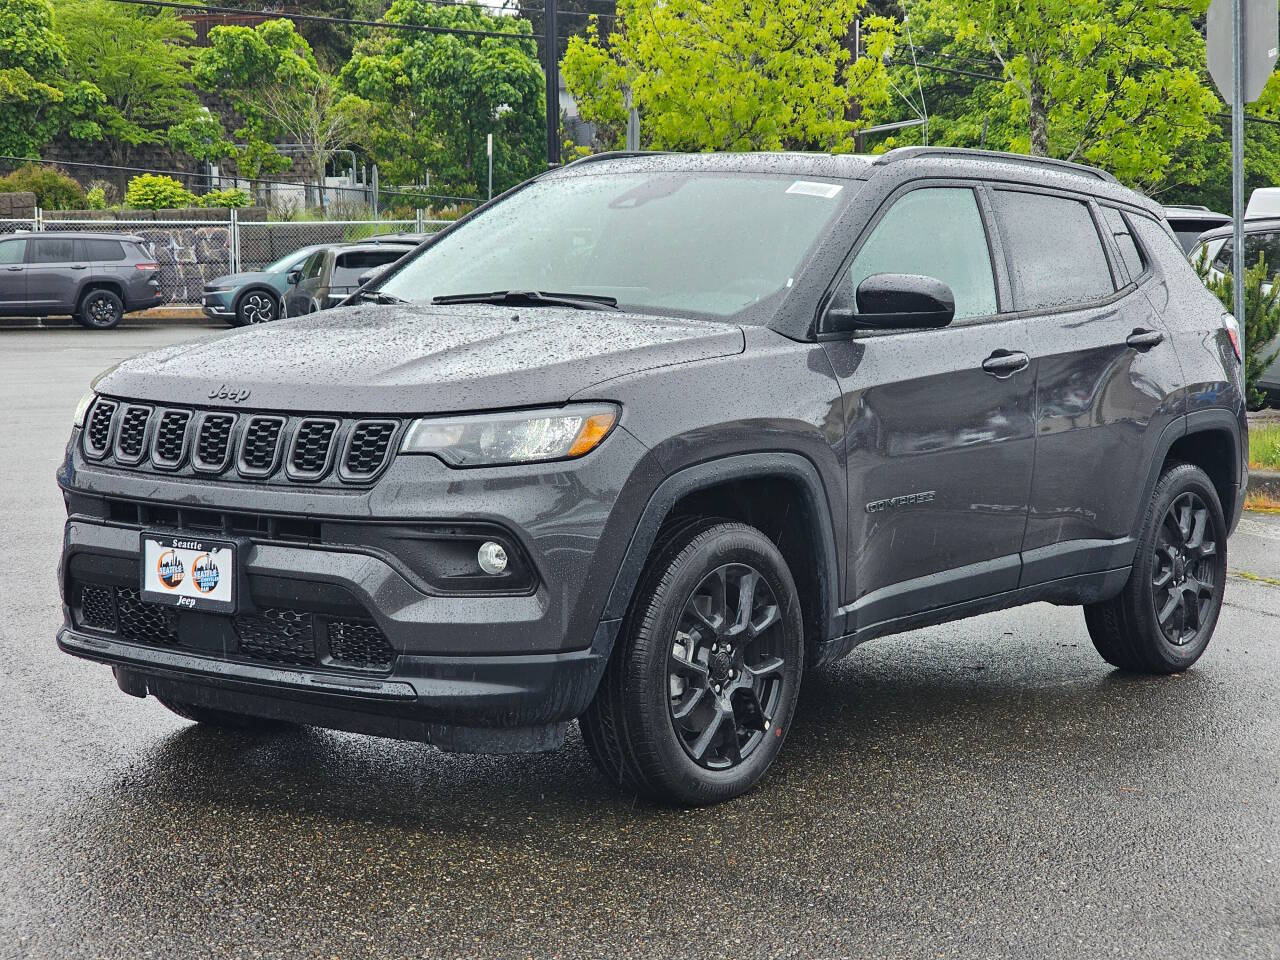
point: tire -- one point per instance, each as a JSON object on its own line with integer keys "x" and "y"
{"x": 223, "y": 719}
{"x": 1163, "y": 619}
{"x": 100, "y": 310}
{"x": 257, "y": 306}
{"x": 658, "y": 725}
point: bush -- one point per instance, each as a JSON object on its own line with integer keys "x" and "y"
{"x": 1261, "y": 318}
{"x": 54, "y": 190}
{"x": 96, "y": 198}
{"x": 232, "y": 197}
{"x": 149, "y": 191}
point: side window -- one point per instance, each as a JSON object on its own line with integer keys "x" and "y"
{"x": 11, "y": 252}
{"x": 937, "y": 232}
{"x": 1055, "y": 253}
{"x": 1134, "y": 264}
{"x": 1265, "y": 245}
{"x": 311, "y": 268}
{"x": 349, "y": 266}
{"x": 51, "y": 250}
{"x": 101, "y": 251}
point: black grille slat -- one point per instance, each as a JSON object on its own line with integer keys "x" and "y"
{"x": 368, "y": 448}
{"x": 277, "y": 635}
{"x": 98, "y": 607}
{"x": 359, "y": 643}
{"x": 131, "y": 434}
{"x": 312, "y": 449}
{"x": 213, "y": 442}
{"x": 169, "y": 448}
{"x": 144, "y": 622}
{"x": 98, "y": 432}
{"x": 260, "y": 447}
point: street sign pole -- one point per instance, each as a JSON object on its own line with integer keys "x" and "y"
{"x": 1237, "y": 163}
{"x": 552, "y": 42}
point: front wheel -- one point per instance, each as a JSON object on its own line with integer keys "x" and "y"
{"x": 1162, "y": 621}
{"x": 700, "y": 690}
{"x": 257, "y": 306}
{"x": 100, "y": 310}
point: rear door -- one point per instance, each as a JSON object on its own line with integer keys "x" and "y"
{"x": 13, "y": 275}
{"x": 299, "y": 298}
{"x": 938, "y": 422}
{"x": 52, "y": 274}
{"x": 1107, "y": 376}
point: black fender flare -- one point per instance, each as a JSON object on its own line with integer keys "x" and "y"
{"x": 789, "y": 466}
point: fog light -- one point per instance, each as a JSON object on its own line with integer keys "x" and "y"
{"x": 492, "y": 558}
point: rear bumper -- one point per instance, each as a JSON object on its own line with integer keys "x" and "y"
{"x": 498, "y": 704}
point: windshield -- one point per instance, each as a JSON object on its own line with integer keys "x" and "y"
{"x": 712, "y": 244}
{"x": 290, "y": 260}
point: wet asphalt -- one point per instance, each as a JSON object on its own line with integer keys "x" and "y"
{"x": 985, "y": 789}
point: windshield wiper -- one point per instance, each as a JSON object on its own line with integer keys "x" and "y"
{"x": 373, "y": 296}
{"x": 533, "y": 298}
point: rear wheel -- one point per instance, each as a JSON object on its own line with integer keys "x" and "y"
{"x": 257, "y": 306}
{"x": 1163, "y": 619}
{"x": 100, "y": 310}
{"x": 702, "y": 684}
{"x": 210, "y": 717}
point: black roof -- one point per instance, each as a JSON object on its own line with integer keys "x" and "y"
{"x": 903, "y": 161}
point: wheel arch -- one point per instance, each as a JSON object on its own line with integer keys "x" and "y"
{"x": 254, "y": 288}
{"x": 767, "y": 491}
{"x": 109, "y": 284}
{"x": 1211, "y": 440}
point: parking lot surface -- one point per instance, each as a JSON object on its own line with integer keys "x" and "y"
{"x": 984, "y": 789}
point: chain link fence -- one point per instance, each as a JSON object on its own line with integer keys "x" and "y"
{"x": 190, "y": 253}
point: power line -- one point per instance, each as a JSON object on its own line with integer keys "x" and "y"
{"x": 205, "y": 176}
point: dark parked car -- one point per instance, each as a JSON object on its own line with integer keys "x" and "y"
{"x": 333, "y": 273}
{"x": 1261, "y": 239}
{"x": 1188, "y": 222}
{"x": 252, "y": 296}
{"x": 95, "y": 277}
{"x": 650, "y": 437}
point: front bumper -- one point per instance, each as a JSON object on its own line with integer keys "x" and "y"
{"x": 218, "y": 304}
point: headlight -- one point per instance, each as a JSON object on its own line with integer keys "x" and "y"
{"x": 517, "y": 436}
{"x": 83, "y": 406}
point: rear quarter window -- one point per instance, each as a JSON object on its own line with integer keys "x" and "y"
{"x": 1055, "y": 253}
{"x": 101, "y": 251}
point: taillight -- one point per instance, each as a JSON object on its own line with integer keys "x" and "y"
{"x": 1233, "y": 331}
{"x": 147, "y": 266}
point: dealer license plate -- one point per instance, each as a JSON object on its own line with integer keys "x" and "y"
{"x": 193, "y": 574}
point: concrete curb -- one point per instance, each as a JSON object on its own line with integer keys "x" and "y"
{"x": 149, "y": 318}
{"x": 1265, "y": 481}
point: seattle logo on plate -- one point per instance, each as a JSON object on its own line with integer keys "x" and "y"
{"x": 205, "y": 573}
{"x": 170, "y": 569}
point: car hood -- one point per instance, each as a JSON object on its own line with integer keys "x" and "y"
{"x": 239, "y": 279}
{"x": 406, "y": 358}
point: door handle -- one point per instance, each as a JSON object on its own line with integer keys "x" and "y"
{"x": 13, "y": 269}
{"x": 1005, "y": 363}
{"x": 1142, "y": 339}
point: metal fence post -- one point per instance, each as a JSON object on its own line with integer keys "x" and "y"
{"x": 37, "y": 222}
{"x": 233, "y": 242}
{"x": 419, "y": 220}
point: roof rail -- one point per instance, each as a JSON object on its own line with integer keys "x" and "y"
{"x": 911, "y": 153}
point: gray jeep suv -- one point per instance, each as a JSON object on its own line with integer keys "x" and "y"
{"x": 649, "y": 437}
{"x": 95, "y": 277}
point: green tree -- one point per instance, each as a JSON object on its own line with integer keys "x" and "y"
{"x": 282, "y": 94}
{"x": 202, "y": 137}
{"x": 138, "y": 59}
{"x": 437, "y": 96}
{"x": 1116, "y": 83}
{"x": 54, "y": 189}
{"x": 725, "y": 74}
{"x": 1261, "y": 318}
{"x": 38, "y": 102}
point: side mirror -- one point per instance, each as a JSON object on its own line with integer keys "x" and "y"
{"x": 895, "y": 301}
{"x": 370, "y": 275}
{"x": 292, "y": 277}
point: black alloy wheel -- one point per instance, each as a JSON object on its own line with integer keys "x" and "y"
{"x": 1183, "y": 581}
{"x": 100, "y": 310}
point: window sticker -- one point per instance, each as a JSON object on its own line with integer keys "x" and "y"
{"x": 810, "y": 188}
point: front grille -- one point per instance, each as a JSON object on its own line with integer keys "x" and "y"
{"x": 312, "y": 449}
{"x": 131, "y": 436}
{"x": 368, "y": 447}
{"x": 98, "y": 607}
{"x": 98, "y": 435}
{"x": 185, "y": 442}
{"x": 213, "y": 443}
{"x": 170, "y": 446}
{"x": 144, "y": 622}
{"x": 359, "y": 643}
{"x": 277, "y": 636}
{"x": 260, "y": 446}
{"x": 280, "y": 635}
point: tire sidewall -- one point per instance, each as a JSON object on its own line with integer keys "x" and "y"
{"x": 664, "y": 603}
{"x": 117, "y": 305}
{"x": 1181, "y": 479}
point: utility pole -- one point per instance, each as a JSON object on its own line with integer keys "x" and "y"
{"x": 552, "y": 68}
{"x": 488, "y": 149}
{"x": 1237, "y": 165}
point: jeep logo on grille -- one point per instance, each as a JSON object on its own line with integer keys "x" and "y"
{"x": 224, "y": 392}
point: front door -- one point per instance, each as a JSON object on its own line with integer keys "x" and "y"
{"x": 939, "y": 428}
{"x": 13, "y": 275}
